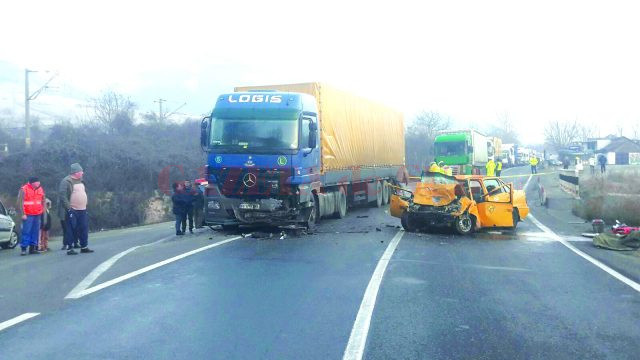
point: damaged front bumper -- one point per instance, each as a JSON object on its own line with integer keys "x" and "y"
{"x": 436, "y": 216}
{"x": 220, "y": 210}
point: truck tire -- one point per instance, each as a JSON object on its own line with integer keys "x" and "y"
{"x": 385, "y": 192}
{"x": 464, "y": 224}
{"x": 379, "y": 201}
{"x": 311, "y": 214}
{"x": 341, "y": 204}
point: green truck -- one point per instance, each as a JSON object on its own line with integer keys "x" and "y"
{"x": 465, "y": 151}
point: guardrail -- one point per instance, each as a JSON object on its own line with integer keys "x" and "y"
{"x": 570, "y": 182}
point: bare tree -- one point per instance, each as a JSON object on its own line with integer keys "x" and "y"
{"x": 505, "y": 130}
{"x": 560, "y": 134}
{"x": 113, "y": 111}
{"x": 585, "y": 131}
{"x": 420, "y": 136}
{"x": 635, "y": 130}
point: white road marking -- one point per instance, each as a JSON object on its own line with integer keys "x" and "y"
{"x": 360, "y": 330}
{"x": 16, "y": 320}
{"x": 124, "y": 277}
{"x": 634, "y": 285}
{"x": 95, "y": 273}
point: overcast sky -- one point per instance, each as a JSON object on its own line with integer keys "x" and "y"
{"x": 471, "y": 60}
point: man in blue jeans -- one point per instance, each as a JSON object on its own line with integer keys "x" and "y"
{"x": 72, "y": 207}
{"x": 31, "y": 204}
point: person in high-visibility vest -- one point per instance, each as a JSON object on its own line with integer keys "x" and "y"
{"x": 441, "y": 166}
{"x": 534, "y": 164}
{"x": 491, "y": 168}
{"x": 499, "y": 167}
{"x": 31, "y": 204}
{"x": 434, "y": 168}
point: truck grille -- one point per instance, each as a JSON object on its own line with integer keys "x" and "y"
{"x": 241, "y": 182}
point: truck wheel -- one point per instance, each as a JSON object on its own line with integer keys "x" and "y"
{"x": 464, "y": 224}
{"x": 379, "y": 201}
{"x": 311, "y": 214}
{"x": 407, "y": 224}
{"x": 341, "y": 205}
{"x": 385, "y": 192}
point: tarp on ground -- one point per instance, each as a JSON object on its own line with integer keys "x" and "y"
{"x": 355, "y": 132}
{"x": 621, "y": 243}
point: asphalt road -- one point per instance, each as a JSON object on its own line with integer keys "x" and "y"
{"x": 442, "y": 296}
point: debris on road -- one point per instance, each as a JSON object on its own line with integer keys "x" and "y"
{"x": 378, "y": 229}
{"x": 362, "y": 216}
{"x": 610, "y": 241}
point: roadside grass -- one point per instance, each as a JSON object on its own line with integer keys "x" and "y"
{"x": 611, "y": 198}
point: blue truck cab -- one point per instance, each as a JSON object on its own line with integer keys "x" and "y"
{"x": 263, "y": 159}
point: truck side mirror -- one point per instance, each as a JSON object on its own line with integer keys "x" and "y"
{"x": 204, "y": 132}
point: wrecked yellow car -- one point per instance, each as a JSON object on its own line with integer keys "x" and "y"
{"x": 466, "y": 203}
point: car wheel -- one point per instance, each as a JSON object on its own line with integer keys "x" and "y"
{"x": 516, "y": 218}
{"x": 407, "y": 223}
{"x": 13, "y": 240}
{"x": 464, "y": 224}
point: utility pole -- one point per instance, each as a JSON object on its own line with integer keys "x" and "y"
{"x": 160, "y": 101}
{"x": 27, "y": 98}
{"x": 27, "y": 124}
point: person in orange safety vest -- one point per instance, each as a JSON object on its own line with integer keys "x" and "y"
{"x": 31, "y": 205}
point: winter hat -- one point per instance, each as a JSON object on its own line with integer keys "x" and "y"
{"x": 75, "y": 167}
{"x": 33, "y": 179}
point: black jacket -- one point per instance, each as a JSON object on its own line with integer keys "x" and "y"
{"x": 181, "y": 202}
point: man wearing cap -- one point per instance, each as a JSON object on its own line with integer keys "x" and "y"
{"x": 31, "y": 203}
{"x": 72, "y": 207}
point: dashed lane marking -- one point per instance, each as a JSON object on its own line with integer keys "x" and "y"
{"x": 17, "y": 320}
{"x": 360, "y": 331}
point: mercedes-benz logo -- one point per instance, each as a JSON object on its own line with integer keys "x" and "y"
{"x": 249, "y": 180}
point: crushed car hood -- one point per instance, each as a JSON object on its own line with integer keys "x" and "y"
{"x": 434, "y": 194}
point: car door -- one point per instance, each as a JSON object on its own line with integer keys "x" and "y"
{"x": 496, "y": 207}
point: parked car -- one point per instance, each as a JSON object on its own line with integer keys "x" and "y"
{"x": 8, "y": 231}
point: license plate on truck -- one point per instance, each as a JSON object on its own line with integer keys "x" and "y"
{"x": 249, "y": 206}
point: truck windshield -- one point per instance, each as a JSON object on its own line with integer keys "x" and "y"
{"x": 450, "y": 148}
{"x": 254, "y": 134}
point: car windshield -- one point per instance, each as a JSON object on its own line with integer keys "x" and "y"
{"x": 254, "y": 134}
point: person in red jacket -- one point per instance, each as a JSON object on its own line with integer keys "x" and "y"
{"x": 31, "y": 203}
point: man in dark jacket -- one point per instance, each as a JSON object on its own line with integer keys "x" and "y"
{"x": 180, "y": 202}
{"x": 198, "y": 206}
{"x": 603, "y": 163}
{"x": 72, "y": 207}
{"x": 191, "y": 196}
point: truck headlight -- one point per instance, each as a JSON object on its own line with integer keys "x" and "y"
{"x": 214, "y": 205}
